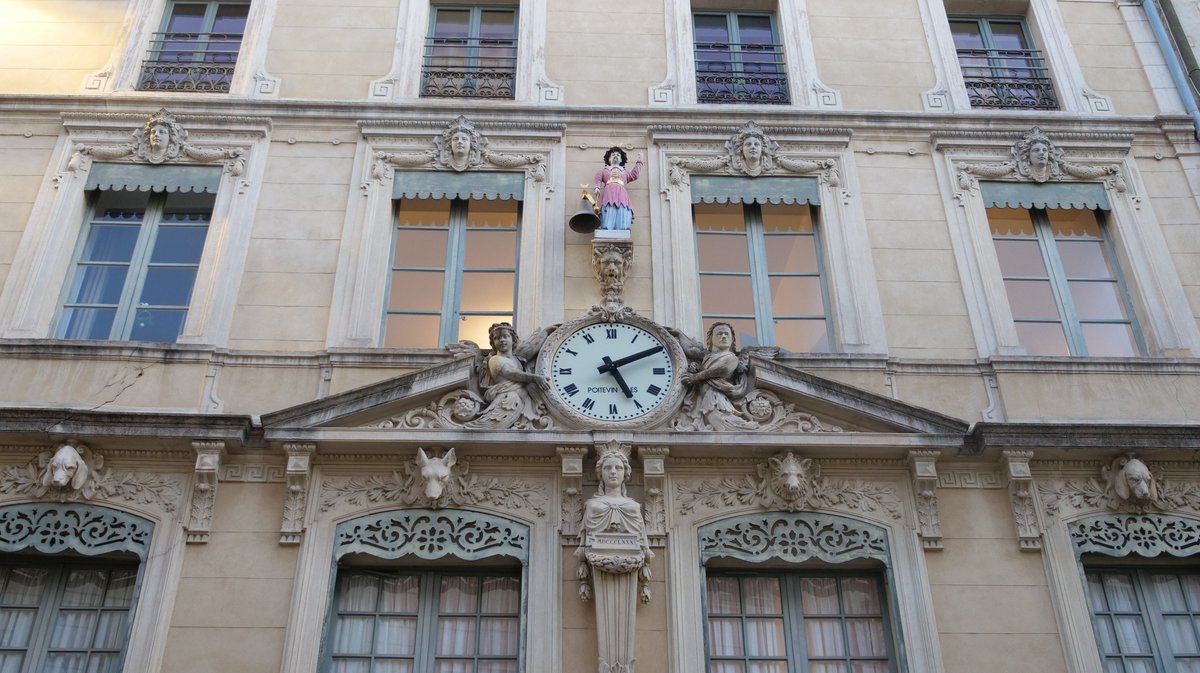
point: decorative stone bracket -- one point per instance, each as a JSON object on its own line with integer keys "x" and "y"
{"x": 299, "y": 469}
{"x": 571, "y": 458}
{"x": 654, "y": 479}
{"x": 1015, "y": 472}
{"x": 204, "y": 489}
{"x": 925, "y": 481}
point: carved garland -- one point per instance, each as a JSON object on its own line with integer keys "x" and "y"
{"x": 52, "y": 528}
{"x": 795, "y": 538}
{"x": 750, "y": 151}
{"x": 160, "y": 140}
{"x": 433, "y": 535}
{"x": 1027, "y": 162}
{"x": 1147, "y": 535}
{"x": 444, "y": 153}
{"x": 142, "y": 488}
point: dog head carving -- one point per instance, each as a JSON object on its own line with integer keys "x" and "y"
{"x": 1131, "y": 481}
{"x": 67, "y": 468}
{"x": 435, "y": 472}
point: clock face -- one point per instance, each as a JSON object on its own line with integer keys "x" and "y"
{"x": 612, "y": 371}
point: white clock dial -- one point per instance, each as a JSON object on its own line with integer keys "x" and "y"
{"x": 612, "y": 371}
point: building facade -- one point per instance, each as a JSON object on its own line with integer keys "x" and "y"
{"x": 894, "y": 369}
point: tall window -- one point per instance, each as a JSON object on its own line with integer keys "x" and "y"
{"x": 797, "y": 623}
{"x": 1063, "y": 285}
{"x": 64, "y": 617}
{"x": 738, "y": 58}
{"x": 1146, "y": 620}
{"x": 471, "y": 52}
{"x": 197, "y": 49}
{"x": 454, "y": 265}
{"x": 999, "y": 66}
{"x": 135, "y": 266}
{"x": 761, "y": 270}
{"x": 404, "y": 621}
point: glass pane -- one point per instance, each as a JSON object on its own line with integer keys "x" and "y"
{"x": 88, "y": 323}
{"x": 785, "y": 219}
{"x": 497, "y": 667}
{"x": 351, "y": 666}
{"x": 73, "y": 629}
{"x": 1031, "y": 299}
{"x": 870, "y": 667}
{"x": 725, "y": 637}
{"x": 1020, "y": 258}
{"x": 167, "y": 286}
{"x": 15, "y": 626}
{"x": 186, "y": 18}
{"x": 768, "y": 667}
{"x": 413, "y": 331}
{"x": 491, "y": 214}
{"x": 66, "y": 663}
{"x": 231, "y": 18}
{"x": 729, "y": 217}
{"x": 722, "y": 595}
{"x": 755, "y": 29}
{"x": 1070, "y": 223}
{"x": 424, "y": 212}
{"x": 490, "y": 249}
{"x": 459, "y": 595}
{"x": 110, "y": 243}
{"x": 761, "y": 596}
{"x": 120, "y": 588}
{"x": 1191, "y": 591}
{"x": 400, "y": 594}
{"x": 1119, "y": 590}
{"x": 1097, "y": 300}
{"x": 819, "y": 595}
{"x": 764, "y": 638}
{"x": 420, "y": 248}
{"x": 452, "y": 667}
{"x": 110, "y": 632}
{"x": 711, "y": 28}
{"x": 824, "y": 637}
{"x": 498, "y": 637}
{"x": 501, "y": 595}
{"x": 1113, "y": 666}
{"x": 827, "y": 667}
{"x": 1190, "y": 665}
{"x": 723, "y": 252}
{"x": 475, "y": 328}
{"x": 1131, "y": 634}
{"x": 860, "y": 596}
{"x": 416, "y": 291}
{"x": 1008, "y": 36}
{"x": 11, "y": 662}
{"x": 396, "y": 636}
{"x": 866, "y": 637}
{"x": 451, "y": 23}
{"x": 24, "y": 586}
{"x": 1140, "y": 666}
{"x": 791, "y": 254}
{"x": 1106, "y": 636}
{"x": 802, "y": 336}
{"x": 796, "y": 295}
{"x": 1095, "y": 593}
{"x": 159, "y": 326}
{"x": 98, "y": 284}
{"x": 744, "y": 329}
{"x": 1168, "y": 593}
{"x": 1042, "y": 338}
{"x": 179, "y": 245}
{"x": 726, "y": 294}
{"x": 456, "y": 636}
{"x": 1084, "y": 259}
{"x": 1011, "y": 222}
{"x": 357, "y": 592}
{"x": 484, "y": 291}
{"x": 727, "y": 667}
{"x": 104, "y": 663}
{"x": 353, "y": 634}
{"x": 392, "y": 666}
{"x": 967, "y": 34}
{"x": 1181, "y": 633}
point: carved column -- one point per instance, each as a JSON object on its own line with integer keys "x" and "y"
{"x": 925, "y": 480}
{"x": 204, "y": 489}
{"x": 654, "y": 477}
{"x": 1014, "y": 470}
{"x": 299, "y": 467}
{"x": 571, "y": 511}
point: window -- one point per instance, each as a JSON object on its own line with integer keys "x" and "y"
{"x": 797, "y": 623}
{"x": 1062, "y": 283}
{"x": 1146, "y": 620}
{"x": 738, "y": 59}
{"x": 761, "y": 271}
{"x": 135, "y": 266}
{"x": 392, "y": 621}
{"x": 65, "y": 616}
{"x": 197, "y": 49}
{"x": 453, "y": 271}
{"x": 999, "y": 67}
{"x": 470, "y": 52}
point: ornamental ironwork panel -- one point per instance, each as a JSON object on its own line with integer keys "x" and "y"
{"x": 469, "y": 68}
{"x": 1011, "y": 79}
{"x": 1146, "y": 535}
{"x": 190, "y": 62}
{"x": 86, "y": 529}
{"x": 793, "y": 537}
{"x": 432, "y": 535}
{"x": 741, "y": 73}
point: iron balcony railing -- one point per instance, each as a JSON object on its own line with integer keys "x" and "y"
{"x": 469, "y": 68}
{"x": 740, "y": 73}
{"x": 1013, "y": 79}
{"x": 191, "y": 62}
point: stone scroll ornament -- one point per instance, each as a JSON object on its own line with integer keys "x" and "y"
{"x": 614, "y": 554}
{"x": 1126, "y": 485}
{"x": 162, "y": 139}
{"x": 73, "y": 472}
{"x": 722, "y": 395}
{"x": 460, "y": 147}
{"x": 752, "y": 152}
{"x": 505, "y": 393}
{"x": 1037, "y": 159}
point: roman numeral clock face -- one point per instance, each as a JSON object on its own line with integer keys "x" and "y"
{"x": 612, "y": 372}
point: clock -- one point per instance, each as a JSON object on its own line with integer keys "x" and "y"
{"x": 615, "y": 374}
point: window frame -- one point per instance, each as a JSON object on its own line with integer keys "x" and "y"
{"x": 1035, "y": 64}
{"x": 736, "y": 48}
{"x": 199, "y": 51}
{"x": 760, "y": 276}
{"x": 473, "y": 44}
{"x": 1150, "y": 610}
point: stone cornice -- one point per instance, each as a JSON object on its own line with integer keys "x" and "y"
{"x": 1111, "y": 437}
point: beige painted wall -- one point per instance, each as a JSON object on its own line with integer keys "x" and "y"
{"x": 606, "y": 54}
{"x": 49, "y": 46}
{"x": 26, "y": 147}
{"x": 1106, "y": 54}
{"x": 331, "y": 50}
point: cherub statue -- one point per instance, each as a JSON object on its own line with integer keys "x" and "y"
{"x": 504, "y": 375}
{"x": 718, "y": 381}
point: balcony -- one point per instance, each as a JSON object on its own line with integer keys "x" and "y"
{"x": 741, "y": 73}
{"x": 1007, "y": 79}
{"x": 469, "y": 68}
{"x": 201, "y": 62}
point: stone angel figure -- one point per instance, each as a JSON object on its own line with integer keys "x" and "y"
{"x": 510, "y": 392}
{"x": 719, "y": 382}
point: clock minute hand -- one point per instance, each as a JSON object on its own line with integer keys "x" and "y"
{"x": 613, "y": 364}
{"x": 612, "y": 369}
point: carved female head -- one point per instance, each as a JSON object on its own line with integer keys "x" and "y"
{"x": 615, "y": 156}
{"x": 613, "y": 471}
{"x": 751, "y": 151}
{"x": 460, "y": 146}
{"x": 1037, "y": 158}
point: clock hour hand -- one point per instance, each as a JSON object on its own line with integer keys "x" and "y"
{"x": 611, "y": 368}
{"x": 610, "y": 365}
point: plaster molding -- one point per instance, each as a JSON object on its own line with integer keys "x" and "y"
{"x": 89, "y": 480}
{"x": 262, "y": 473}
{"x": 791, "y": 484}
{"x": 204, "y": 489}
{"x": 923, "y": 463}
{"x": 1148, "y": 536}
{"x": 1014, "y": 469}
{"x": 571, "y": 502}
{"x": 654, "y": 482}
{"x": 960, "y": 477}
{"x": 298, "y": 473}
{"x": 793, "y": 538}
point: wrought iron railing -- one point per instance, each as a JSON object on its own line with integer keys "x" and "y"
{"x": 1013, "y": 79}
{"x": 740, "y": 73}
{"x": 191, "y": 62}
{"x": 469, "y": 68}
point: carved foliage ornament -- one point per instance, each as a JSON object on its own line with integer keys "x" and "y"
{"x": 788, "y": 483}
{"x": 752, "y": 152}
{"x": 85, "y": 529}
{"x": 442, "y": 481}
{"x": 460, "y": 147}
{"x": 433, "y": 535}
{"x": 794, "y": 538}
{"x": 1036, "y": 158}
{"x": 73, "y": 472}
{"x": 1126, "y": 485}
{"x": 1143, "y": 535}
{"x": 162, "y": 139}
